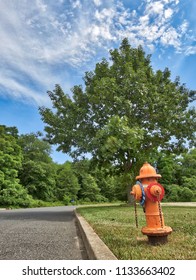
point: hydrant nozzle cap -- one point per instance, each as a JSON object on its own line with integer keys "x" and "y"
{"x": 147, "y": 171}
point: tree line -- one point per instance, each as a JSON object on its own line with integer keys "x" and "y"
{"x": 29, "y": 177}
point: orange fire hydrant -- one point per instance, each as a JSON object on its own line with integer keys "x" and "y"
{"x": 149, "y": 192}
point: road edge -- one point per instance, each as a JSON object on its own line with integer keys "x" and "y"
{"x": 95, "y": 247}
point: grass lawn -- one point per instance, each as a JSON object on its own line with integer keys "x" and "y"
{"x": 115, "y": 225}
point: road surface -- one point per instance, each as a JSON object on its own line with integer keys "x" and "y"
{"x": 40, "y": 234}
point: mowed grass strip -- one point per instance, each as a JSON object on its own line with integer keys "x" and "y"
{"x": 115, "y": 225}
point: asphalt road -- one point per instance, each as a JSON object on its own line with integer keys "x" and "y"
{"x": 40, "y": 234}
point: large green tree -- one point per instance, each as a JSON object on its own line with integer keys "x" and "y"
{"x": 125, "y": 112}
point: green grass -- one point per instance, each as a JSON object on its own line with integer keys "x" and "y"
{"x": 115, "y": 225}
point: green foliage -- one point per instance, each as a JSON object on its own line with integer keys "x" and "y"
{"x": 186, "y": 194}
{"x": 66, "y": 183}
{"x": 189, "y": 183}
{"x": 14, "y": 195}
{"x": 107, "y": 184}
{"x": 37, "y": 174}
{"x": 25, "y": 161}
{"x": 173, "y": 193}
{"x": 89, "y": 190}
{"x": 39, "y": 179}
{"x": 66, "y": 199}
{"x": 118, "y": 141}
{"x": 188, "y": 164}
{"x": 11, "y": 192}
{"x": 124, "y": 114}
{"x": 167, "y": 165}
{"x": 178, "y": 175}
{"x": 34, "y": 148}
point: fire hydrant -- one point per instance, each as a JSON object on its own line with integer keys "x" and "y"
{"x": 149, "y": 192}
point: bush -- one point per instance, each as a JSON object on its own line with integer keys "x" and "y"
{"x": 186, "y": 194}
{"x": 172, "y": 193}
{"x": 175, "y": 193}
{"x": 15, "y": 195}
{"x": 189, "y": 182}
{"x": 66, "y": 199}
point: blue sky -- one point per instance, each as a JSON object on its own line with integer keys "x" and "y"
{"x": 46, "y": 42}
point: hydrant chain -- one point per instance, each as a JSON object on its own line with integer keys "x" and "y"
{"x": 136, "y": 218}
{"x": 160, "y": 213}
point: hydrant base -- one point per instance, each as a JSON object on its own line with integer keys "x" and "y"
{"x": 156, "y": 240}
{"x": 157, "y": 235}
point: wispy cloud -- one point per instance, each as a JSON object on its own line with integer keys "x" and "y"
{"x": 38, "y": 37}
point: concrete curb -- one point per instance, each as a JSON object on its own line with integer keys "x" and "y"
{"x": 95, "y": 247}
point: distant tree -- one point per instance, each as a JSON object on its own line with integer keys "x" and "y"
{"x": 11, "y": 192}
{"x": 82, "y": 167}
{"x": 180, "y": 173}
{"x": 89, "y": 190}
{"x": 105, "y": 182}
{"x": 173, "y": 193}
{"x": 186, "y": 194}
{"x": 187, "y": 175}
{"x": 124, "y": 114}
{"x": 39, "y": 179}
{"x": 167, "y": 167}
{"x": 66, "y": 183}
{"x": 10, "y": 130}
{"x": 110, "y": 185}
{"x": 188, "y": 164}
{"x": 38, "y": 172}
{"x": 34, "y": 148}
{"x": 189, "y": 183}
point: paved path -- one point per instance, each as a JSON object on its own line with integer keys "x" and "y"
{"x": 192, "y": 204}
{"x": 40, "y": 233}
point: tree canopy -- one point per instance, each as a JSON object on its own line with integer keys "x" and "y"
{"x": 124, "y": 113}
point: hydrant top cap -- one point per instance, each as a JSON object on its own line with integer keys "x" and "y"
{"x": 147, "y": 171}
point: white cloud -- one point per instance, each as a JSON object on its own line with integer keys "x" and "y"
{"x": 104, "y": 14}
{"x": 155, "y": 7}
{"x": 41, "y": 5}
{"x": 170, "y": 37}
{"x": 97, "y": 2}
{"x": 144, "y": 19}
{"x": 45, "y": 36}
{"x": 76, "y": 4}
{"x": 168, "y": 13}
{"x": 20, "y": 91}
{"x": 191, "y": 50}
{"x": 184, "y": 27}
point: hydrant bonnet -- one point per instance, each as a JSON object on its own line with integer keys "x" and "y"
{"x": 147, "y": 171}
